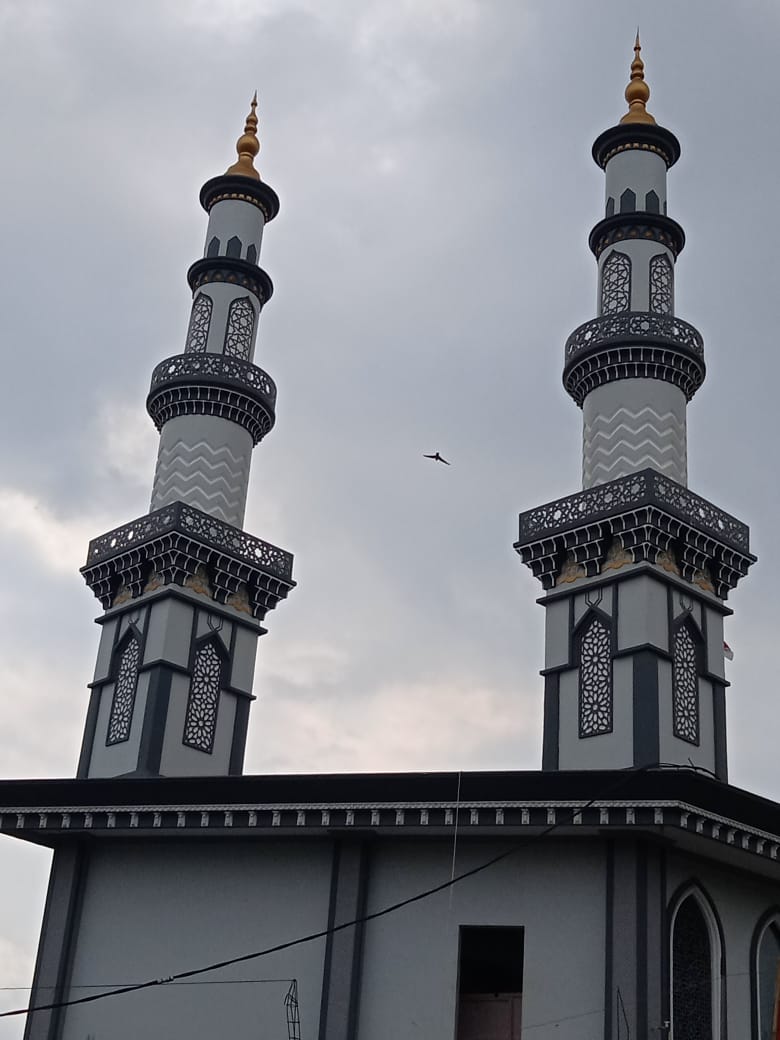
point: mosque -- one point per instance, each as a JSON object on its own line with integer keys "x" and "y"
{"x": 625, "y": 891}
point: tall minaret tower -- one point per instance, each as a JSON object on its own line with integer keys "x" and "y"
{"x": 184, "y": 588}
{"x": 636, "y": 567}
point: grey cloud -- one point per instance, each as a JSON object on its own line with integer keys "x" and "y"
{"x": 429, "y": 260}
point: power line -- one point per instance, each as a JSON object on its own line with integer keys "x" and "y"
{"x": 312, "y": 936}
{"x": 200, "y": 982}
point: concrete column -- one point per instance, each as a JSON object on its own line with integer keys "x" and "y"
{"x": 344, "y": 949}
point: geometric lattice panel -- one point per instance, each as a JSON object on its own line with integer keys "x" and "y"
{"x": 200, "y": 723}
{"x": 692, "y": 970}
{"x": 685, "y": 686}
{"x": 595, "y": 707}
{"x": 200, "y": 319}
{"x": 240, "y": 326}
{"x": 121, "y": 716}
{"x": 616, "y": 283}
{"x": 661, "y": 285}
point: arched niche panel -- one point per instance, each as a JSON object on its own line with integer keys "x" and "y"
{"x": 765, "y": 976}
{"x": 616, "y": 283}
{"x": 687, "y": 666}
{"x": 127, "y": 657}
{"x": 594, "y": 641}
{"x": 697, "y": 966}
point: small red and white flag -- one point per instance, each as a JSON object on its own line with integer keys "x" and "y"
{"x": 728, "y": 653}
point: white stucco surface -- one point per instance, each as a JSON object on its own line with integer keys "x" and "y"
{"x": 641, "y": 171}
{"x": 169, "y": 906}
{"x": 410, "y": 969}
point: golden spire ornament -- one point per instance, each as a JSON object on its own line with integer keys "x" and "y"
{"x": 637, "y": 91}
{"x": 247, "y": 146}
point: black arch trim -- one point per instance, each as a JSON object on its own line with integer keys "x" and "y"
{"x": 773, "y": 913}
{"x": 694, "y": 887}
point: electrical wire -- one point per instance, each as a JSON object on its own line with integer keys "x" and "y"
{"x": 313, "y": 936}
{"x": 201, "y": 982}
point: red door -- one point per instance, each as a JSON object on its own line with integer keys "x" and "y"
{"x": 487, "y": 1016}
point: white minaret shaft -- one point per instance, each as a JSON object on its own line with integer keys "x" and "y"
{"x": 630, "y": 424}
{"x": 636, "y": 568}
{"x": 204, "y": 454}
{"x": 184, "y": 588}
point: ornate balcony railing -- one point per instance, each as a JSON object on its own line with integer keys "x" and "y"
{"x": 215, "y": 368}
{"x": 213, "y": 384}
{"x": 634, "y": 327}
{"x": 645, "y": 488}
{"x": 642, "y": 518}
{"x": 186, "y": 520}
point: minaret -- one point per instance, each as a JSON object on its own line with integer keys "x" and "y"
{"x": 184, "y": 588}
{"x": 636, "y": 568}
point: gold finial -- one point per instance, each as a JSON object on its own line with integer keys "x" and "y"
{"x": 637, "y": 91}
{"x": 247, "y": 146}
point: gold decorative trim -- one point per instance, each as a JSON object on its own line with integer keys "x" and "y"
{"x": 617, "y": 557}
{"x": 637, "y": 92}
{"x": 154, "y": 582}
{"x": 239, "y": 196}
{"x": 703, "y": 579}
{"x": 124, "y": 595}
{"x": 668, "y": 562}
{"x": 239, "y": 600}
{"x": 247, "y": 146}
{"x": 246, "y": 281}
{"x": 642, "y": 145}
{"x": 571, "y": 571}
{"x": 199, "y": 582}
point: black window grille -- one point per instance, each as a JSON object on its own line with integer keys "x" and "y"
{"x": 240, "y": 326}
{"x": 120, "y": 717}
{"x": 692, "y": 974}
{"x": 616, "y": 283}
{"x": 200, "y": 722}
{"x": 595, "y": 687}
{"x": 768, "y": 975}
{"x": 200, "y": 320}
{"x": 661, "y": 284}
{"x": 685, "y": 685}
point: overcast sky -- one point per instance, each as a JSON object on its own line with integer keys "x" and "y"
{"x": 433, "y": 163}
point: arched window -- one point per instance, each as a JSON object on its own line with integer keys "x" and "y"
{"x": 240, "y": 326}
{"x": 661, "y": 284}
{"x": 767, "y": 968}
{"x": 652, "y": 202}
{"x": 200, "y": 319}
{"x": 595, "y": 685}
{"x": 234, "y": 246}
{"x": 628, "y": 201}
{"x": 213, "y": 248}
{"x": 200, "y": 721}
{"x": 695, "y": 983}
{"x": 610, "y": 207}
{"x": 251, "y": 254}
{"x": 686, "y": 644}
{"x": 120, "y": 717}
{"x": 616, "y": 283}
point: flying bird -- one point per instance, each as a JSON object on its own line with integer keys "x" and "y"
{"x": 436, "y": 458}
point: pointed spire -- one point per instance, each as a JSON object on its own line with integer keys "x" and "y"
{"x": 637, "y": 91}
{"x": 247, "y": 146}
